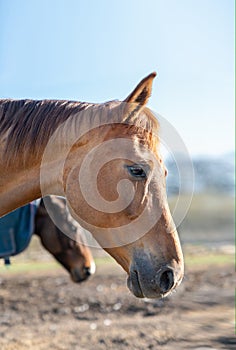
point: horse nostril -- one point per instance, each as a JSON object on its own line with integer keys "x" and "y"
{"x": 165, "y": 280}
{"x": 87, "y": 271}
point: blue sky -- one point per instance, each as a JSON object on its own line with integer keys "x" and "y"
{"x": 99, "y": 50}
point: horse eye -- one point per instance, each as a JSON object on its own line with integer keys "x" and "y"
{"x": 136, "y": 171}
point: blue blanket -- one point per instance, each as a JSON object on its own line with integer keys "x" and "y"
{"x": 16, "y": 230}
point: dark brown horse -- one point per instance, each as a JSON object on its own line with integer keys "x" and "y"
{"x": 68, "y": 247}
{"x": 64, "y": 240}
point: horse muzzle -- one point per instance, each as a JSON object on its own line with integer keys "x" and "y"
{"x": 147, "y": 282}
{"x": 82, "y": 274}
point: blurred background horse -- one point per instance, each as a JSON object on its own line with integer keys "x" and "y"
{"x": 66, "y": 244}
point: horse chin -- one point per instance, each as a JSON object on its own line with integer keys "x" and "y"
{"x": 76, "y": 276}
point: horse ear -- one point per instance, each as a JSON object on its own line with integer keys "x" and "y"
{"x": 142, "y": 92}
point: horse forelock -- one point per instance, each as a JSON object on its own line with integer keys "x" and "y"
{"x": 27, "y": 125}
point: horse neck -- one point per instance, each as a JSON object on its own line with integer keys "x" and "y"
{"x": 20, "y": 182}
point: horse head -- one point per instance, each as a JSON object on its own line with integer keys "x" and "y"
{"x": 63, "y": 238}
{"x": 114, "y": 181}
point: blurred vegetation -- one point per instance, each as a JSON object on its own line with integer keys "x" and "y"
{"x": 210, "y": 219}
{"x": 207, "y": 236}
{"x": 198, "y": 261}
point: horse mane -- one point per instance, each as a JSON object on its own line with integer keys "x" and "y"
{"x": 27, "y": 125}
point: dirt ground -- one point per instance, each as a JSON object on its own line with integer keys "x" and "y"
{"x": 46, "y": 310}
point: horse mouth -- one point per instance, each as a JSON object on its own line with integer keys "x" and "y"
{"x": 134, "y": 285}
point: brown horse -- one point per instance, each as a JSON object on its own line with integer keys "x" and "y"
{"x": 69, "y": 249}
{"x": 57, "y": 147}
